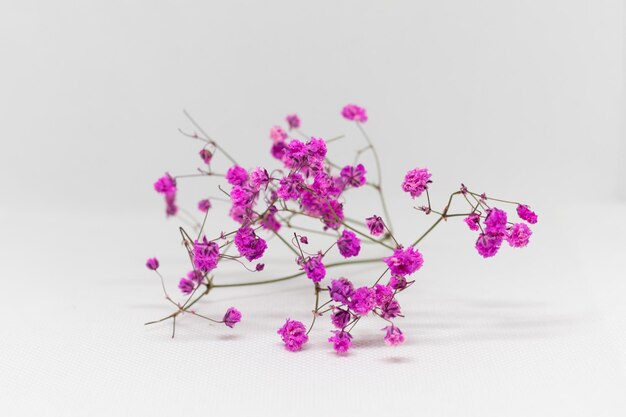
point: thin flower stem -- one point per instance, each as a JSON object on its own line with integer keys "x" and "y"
{"x": 367, "y": 236}
{"x": 298, "y": 274}
{"x": 497, "y": 199}
{"x": 317, "y": 300}
{"x": 205, "y": 317}
{"x": 286, "y": 243}
{"x": 379, "y": 172}
{"x": 217, "y": 146}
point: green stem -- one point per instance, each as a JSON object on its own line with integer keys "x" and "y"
{"x": 332, "y": 265}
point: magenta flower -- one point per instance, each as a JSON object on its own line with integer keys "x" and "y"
{"x": 278, "y": 150}
{"x": 241, "y": 196}
{"x": 416, "y": 181}
{"x": 363, "y": 301}
{"x": 527, "y": 214}
{"x": 295, "y": 154}
{"x": 404, "y": 262}
{"x": 152, "y": 263}
{"x": 195, "y": 275}
{"x": 259, "y": 267}
{"x": 315, "y": 269}
{"x": 353, "y": 176}
{"x": 259, "y": 178}
{"x": 205, "y": 255}
{"x": 341, "y": 290}
{"x": 170, "y": 204}
{"x": 495, "y": 223}
{"x": 232, "y": 317}
{"x": 269, "y": 222}
{"x": 165, "y": 185}
{"x": 237, "y": 175}
{"x": 316, "y": 149}
{"x": 249, "y": 244}
{"x": 206, "y": 156}
{"x": 383, "y": 293}
{"x": 204, "y": 205}
{"x": 277, "y": 134}
{"x": 332, "y": 213}
{"x": 291, "y": 187}
{"x": 354, "y": 112}
{"x": 390, "y": 309}
{"x": 394, "y": 336}
{"x": 376, "y": 225}
{"x": 293, "y": 334}
{"x": 398, "y": 282}
{"x": 340, "y": 318}
{"x": 186, "y": 286}
{"x": 472, "y": 221}
{"x": 488, "y": 245}
{"x": 518, "y": 235}
{"x": 293, "y": 121}
{"x": 324, "y": 185}
{"x": 341, "y": 341}
{"x": 349, "y": 245}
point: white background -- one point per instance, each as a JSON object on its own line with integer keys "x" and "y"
{"x": 523, "y": 100}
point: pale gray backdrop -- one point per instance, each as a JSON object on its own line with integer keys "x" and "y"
{"x": 519, "y": 96}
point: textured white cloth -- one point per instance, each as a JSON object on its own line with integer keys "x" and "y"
{"x": 538, "y": 331}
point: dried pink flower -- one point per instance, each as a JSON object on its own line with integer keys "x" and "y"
{"x": 341, "y": 340}
{"x": 293, "y": 121}
{"x": 393, "y": 335}
{"x": 152, "y": 263}
{"x": 349, "y": 245}
{"x": 293, "y": 334}
{"x": 416, "y": 181}
{"x": 354, "y": 112}
{"x": 404, "y": 262}
{"x": 232, "y": 317}
{"x": 527, "y": 214}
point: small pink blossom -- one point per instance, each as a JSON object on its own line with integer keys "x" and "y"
{"x": 353, "y": 176}
{"x": 518, "y": 235}
{"x": 416, "y": 181}
{"x": 315, "y": 269}
{"x": 237, "y": 175}
{"x": 293, "y": 334}
{"x": 376, "y": 225}
{"x": 495, "y": 223}
{"x": 472, "y": 221}
{"x": 195, "y": 275}
{"x": 165, "y": 185}
{"x": 186, "y": 286}
{"x": 340, "y": 318}
{"x": 277, "y": 134}
{"x": 349, "y": 244}
{"x": 488, "y": 245}
{"x": 393, "y": 335}
{"x": 152, "y": 263}
{"x": 404, "y": 262}
{"x": 249, "y": 244}
{"x": 363, "y": 301}
{"x": 354, "y": 112}
{"x": 341, "y": 340}
{"x": 232, "y": 317}
{"x": 293, "y": 121}
{"x": 204, "y": 205}
{"x": 341, "y": 290}
{"x": 527, "y": 214}
{"x": 206, "y": 156}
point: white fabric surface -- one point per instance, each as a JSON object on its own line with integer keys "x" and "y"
{"x": 533, "y": 332}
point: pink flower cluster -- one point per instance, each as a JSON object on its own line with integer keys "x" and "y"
{"x": 496, "y": 229}
{"x": 267, "y": 205}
